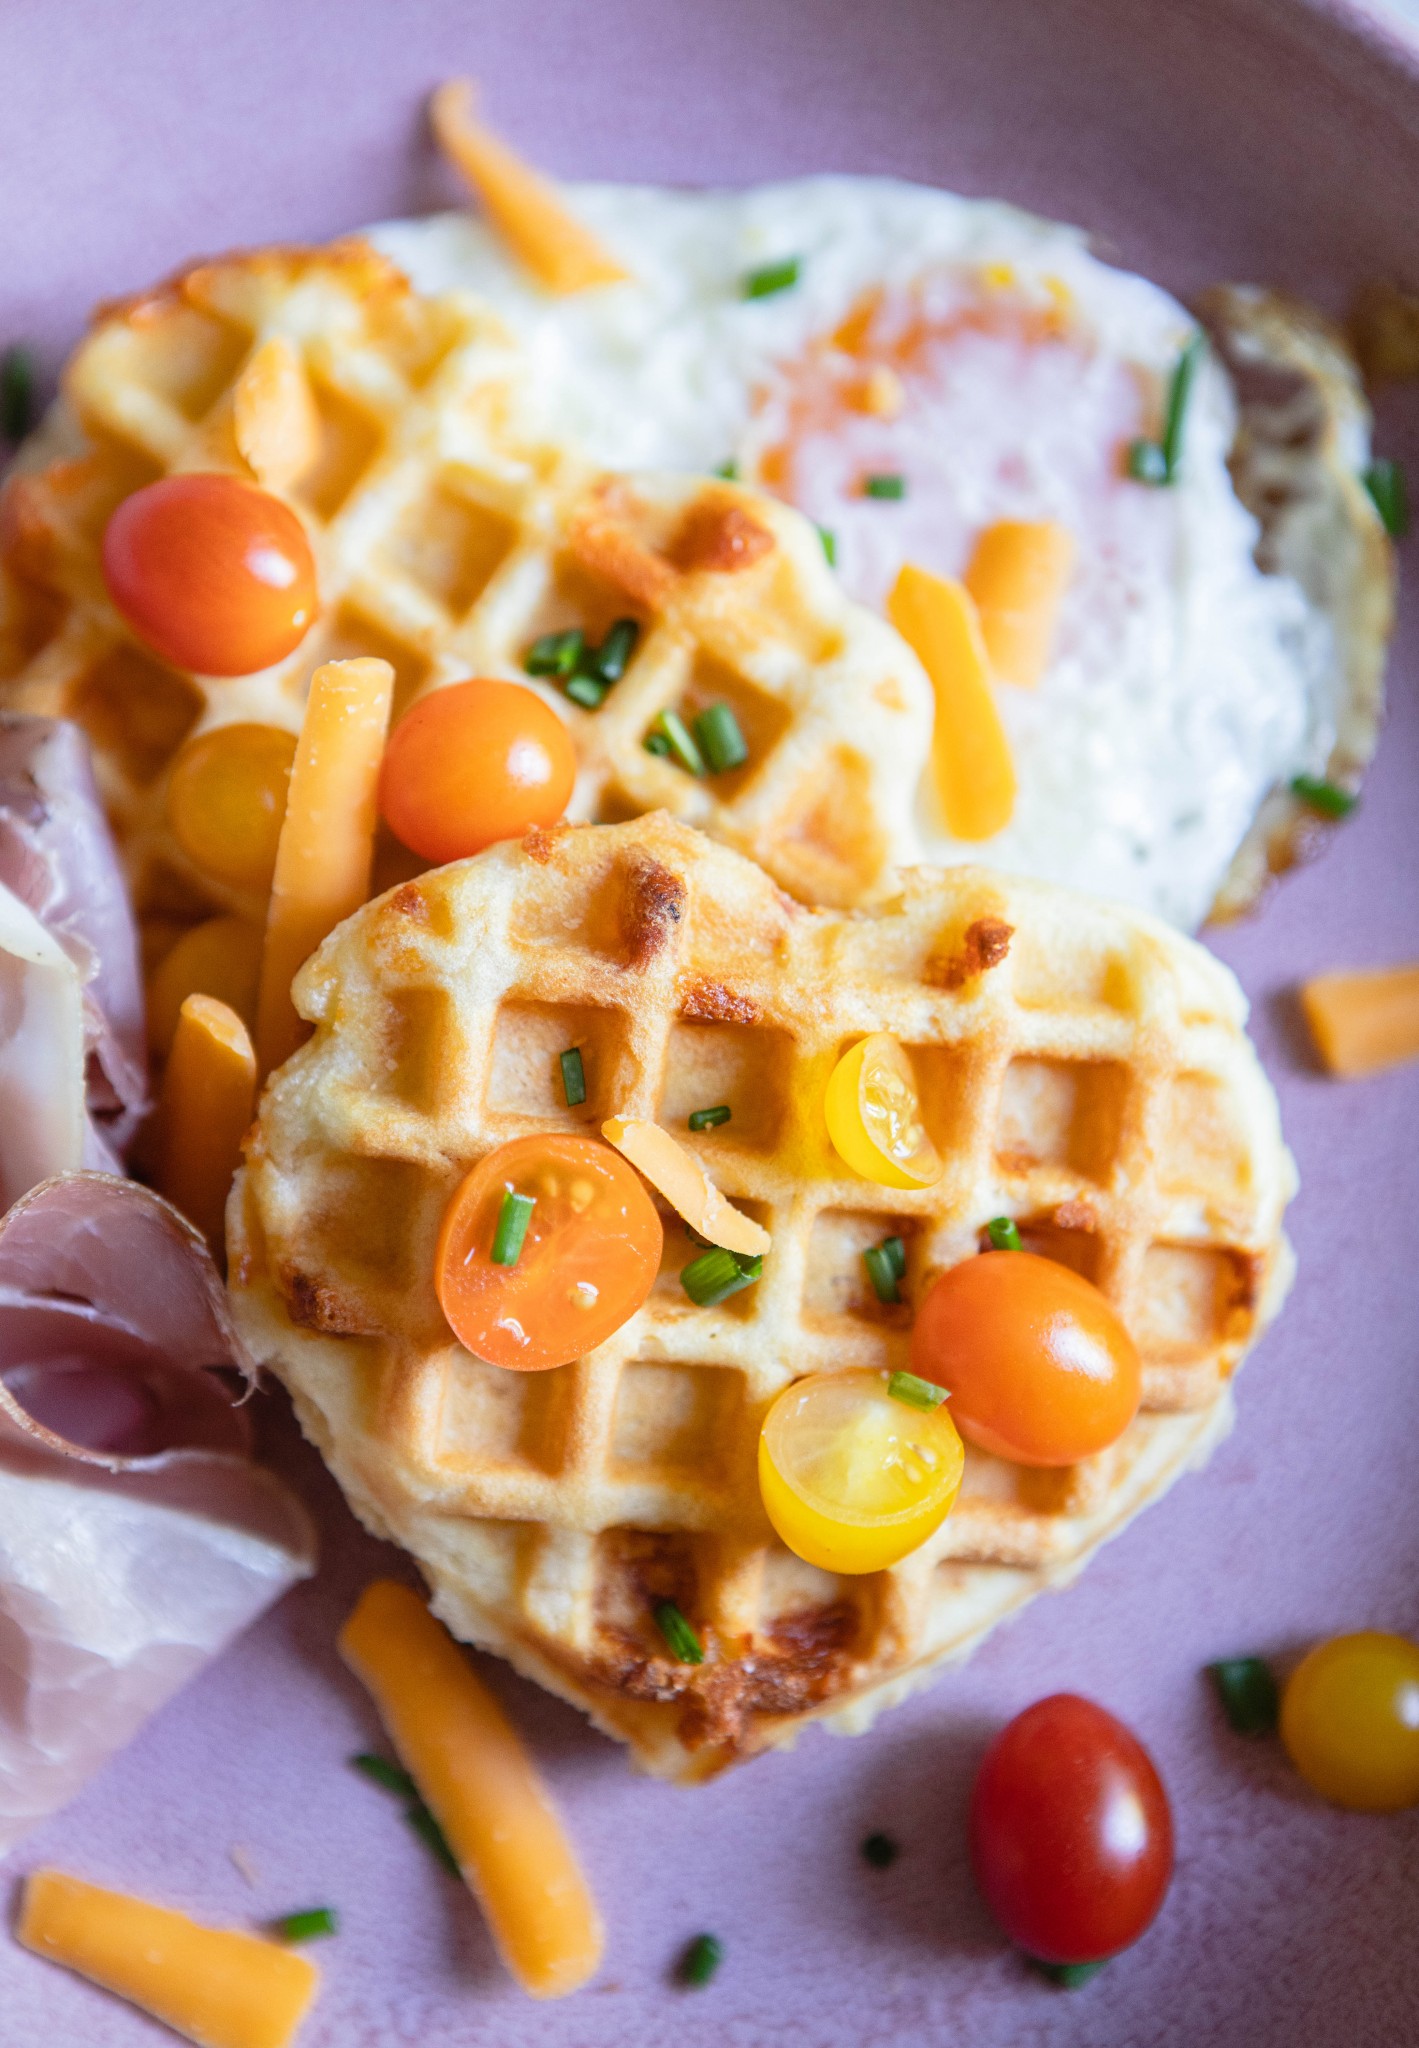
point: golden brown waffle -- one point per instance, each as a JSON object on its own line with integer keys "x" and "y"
{"x": 1082, "y": 1068}
{"x": 446, "y": 545}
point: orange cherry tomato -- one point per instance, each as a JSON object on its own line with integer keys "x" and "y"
{"x": 473, "y": 763}
{"x": 588, "y": 1260}
{"x": 211, "y": 573}
{"x": 1039, "y": 1367}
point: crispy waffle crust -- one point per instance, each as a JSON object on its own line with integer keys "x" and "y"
{"x": 447, "y": 545}
{"x": 1082, "y": 1068}
{"x": 1297, "y": 465}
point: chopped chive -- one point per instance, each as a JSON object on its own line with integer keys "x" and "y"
{"x": 882, "y": 1273}
{"x": 717, "y": 730}
{"x": 679, "y": 744}
{"x": 386, "y": 1775}
{"x": 830, "y": 545}
{"x": 772, "y": 277}
{"x": 880, "y": 1851}
{"x": 1323, "y": 796}
{"x": 1003, "y": 1234}
{"x": 556, "y": 654}
{"x": 728, "y": 470}
{"x": 701, "y": 1959}
{"x": 717, "y": 1274}
{"x": 684, "y": 1644}
{"x": 896, "y": 1252}
{"x": 573, "y": 1077}
{"x": 307, "y": 1926}
{"x": 905, "y": 1386}
{"x": 1389, "y": 487}
{"x": 656, "y": 743}
{"x": 609, "y": 662}
{"x": 586, "y": 691}
{"x": 1147, "y": 463}
{"x": 432, "y": 1836}
{"x": 16, "y": 394}
{"x": 1068, "y": 1976}
{"x": 706, "y": 1119}
{"x": 1179, "y": 391}
{"x": 513, "y": 1219}
{"x": 1248, "y": 1694}
{"x": 884, "y": 487}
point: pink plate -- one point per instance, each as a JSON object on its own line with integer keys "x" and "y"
{"x": 1258, "y": 139}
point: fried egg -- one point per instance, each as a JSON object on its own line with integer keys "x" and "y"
{"x": 910, "y": 368}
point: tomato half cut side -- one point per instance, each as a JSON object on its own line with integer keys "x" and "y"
{"x": 588, "y": 1260}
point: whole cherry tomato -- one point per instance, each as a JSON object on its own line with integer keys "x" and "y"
{"x": 1350, "y": 1720}
{"x": 473, "y": 763}
{"x": 1071, "y": 1833}
{"x": 211, "y": 573}
{"x": 1038, "y": 1365}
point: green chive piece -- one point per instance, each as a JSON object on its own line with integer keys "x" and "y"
{"x": 884, "y": 487}
{"x": 656, "y": 743}
{"x": 308, "y": 1926}
{"x": 513, "y": 1219}
{"x": 16, "y": 394}
{"x": 896, "y": 1252}
{"x": 1248, "y": 1694}
{"x": 616, "y": 650}
{"x": 556, "y": 654}
{"x": 586, "y": 691}
{"x": 701, "y": 1959}
{"x": 1323, "y": 796}
{"x": 706, "y": 1119}
{"x": 1147, "y": 463}
{"x": 880, "y": 1851}
{"x": 386, "y": 1775}
{"x": 432, "y": 1836}
{"x": 1003, "y": 1234}
{"x": 728, "y": 470}
{"x": 1179, "y": 392}
{"x": 685, "y": 1646}
{"x": 1389, "y": 487}
{"x": 680, "y": 745}
{"x": 1068, "y": 1976}
{"x": 573, "y": 1077}
{"x": 717, "y": 1274}
{"x": 717, "y": 730}
{"x": 882, "y": 1273}
{"x": 905, "y": 1386}
{"x": 830, "y": 545}
{"x": 771, "y": 278}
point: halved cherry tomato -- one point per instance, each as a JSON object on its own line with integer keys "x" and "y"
{"x": 873, "y": 1113}
{"x": 212, "y": 573}
{"x": 473, "y": 763}
{"x": 227, "y": 798}
{"x": 1350, "y": 1721}
{"x": 1071, "y": 1832}
{"x": 851, "y": 1479}
{"x": 1038, "y": 1365}
{"x": 587, "y": 1262}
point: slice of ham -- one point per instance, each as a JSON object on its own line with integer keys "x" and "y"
{"x": 58, "y": 857}
{"x": 136, "y": 1535}
{"x": 44, "y": 1128}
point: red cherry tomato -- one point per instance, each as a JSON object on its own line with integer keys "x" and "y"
{"x": 1039, "y": 1367}
{"x": 213, "y": 574}
{"x": 472, "y": 763}
{"x": 1071, "y": 1832}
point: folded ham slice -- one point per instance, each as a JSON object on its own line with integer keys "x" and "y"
{"x": 136, "y": 1535}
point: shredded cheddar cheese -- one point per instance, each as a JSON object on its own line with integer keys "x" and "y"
{"x": 274, "y": 416}
{"x": 209, "y": 1096}
{"x": 975, "y": 776}
{"x": 685, "y": 1185}
{"x": 1018, "y": 574}
{"x": 1363, "y": 1023}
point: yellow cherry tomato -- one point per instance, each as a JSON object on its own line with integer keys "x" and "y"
{"x": 874, "y": 1116}
{"x": 227, "y": 798}
{"x": 220, "y": 958}
{"x": 1350, "y": 1721}
{"x": 852, "y": 1479}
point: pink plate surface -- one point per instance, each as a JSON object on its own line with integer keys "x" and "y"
{"x": 1258, "y": 139}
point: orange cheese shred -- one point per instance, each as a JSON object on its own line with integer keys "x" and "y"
{"x": 678, "y": 1175}
{"x": 216, "y": 1986}
{"x": 523, "y": 206}
{"x": 274, "y": 416}
{"x": 326, "y": 848}
{"x": 481, "y": 1787}
{"x": 1018, "y": 574}
{"x": 975, "y": 775}
{"x": 208, "y": 1099}
{"x": 1365, "y": 1022}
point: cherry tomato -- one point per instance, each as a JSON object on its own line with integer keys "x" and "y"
{"x": 1071, "y": 1833}
{"x": 1038, "y": 1365}
{"x": 227, "y": 798}
{"x": 213, "y": 574}
{"x": 472, "y": 763}
{"x": 873, "y": 1114}
{"x": 852, "y": 1479}
{"x": 587, "y": 1262}
{"x": 1350, "y": 1721}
